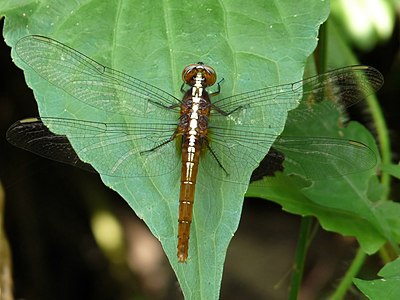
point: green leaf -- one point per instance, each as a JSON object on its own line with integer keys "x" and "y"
{"x": 387, "y": 288}
{"x": 251, "y": 45}
{"x": 392, "y": 169}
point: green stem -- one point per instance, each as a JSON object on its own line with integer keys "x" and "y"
{"x": 383, "y": 138}
{"x": 301, "y": 250}
{"x": 347, "y": 280}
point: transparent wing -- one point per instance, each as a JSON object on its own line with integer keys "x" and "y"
{"x": 233, "y": 150}
{"x": 345, "y": 87}
{"x": 93, "y": 83}
{"x": 316, "y": 158}
{"x": 325, "y": 158}
{"x": 127, "y": 150}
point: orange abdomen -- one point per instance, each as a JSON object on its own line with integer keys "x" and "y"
{"x": 190, "y": 163}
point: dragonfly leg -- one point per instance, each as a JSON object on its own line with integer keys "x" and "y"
{"x": 177, "y": 105}
{"x": 224, "y": 113}
{"x": 173, "y": 136}
{"x": 216, "y": 158}
{"x": 182, "y": 88}
{"x": 219, "y": 88}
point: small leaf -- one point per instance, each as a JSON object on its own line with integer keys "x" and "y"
{"x": 387, "y": 288}
{"x": 392, "y": 169}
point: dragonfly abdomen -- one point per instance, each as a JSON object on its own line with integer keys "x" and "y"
{"x": 190, "y": 164}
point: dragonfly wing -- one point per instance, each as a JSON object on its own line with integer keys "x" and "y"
{"x": 234, "y": 150}
{"x": 319, "y": 158}
{"x": 34, "y": 136}
{"x": 117, "y": 149}
{"x": 316, "y": 158}
{"x": 345, "y": 87}
{"x": 91, "y": 82}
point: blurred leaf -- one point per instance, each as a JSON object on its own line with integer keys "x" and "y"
{"x": 388, "y": 287}
{"x": 364, "y": 23}
{"x": 392, "y": 169}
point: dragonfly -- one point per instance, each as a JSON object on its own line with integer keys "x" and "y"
{"x": 221, "y": 135}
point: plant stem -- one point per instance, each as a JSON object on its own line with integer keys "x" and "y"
{"x": 383, "y": 138}
{"x": 347, "y": 280}
{"x": 301, "y": 249}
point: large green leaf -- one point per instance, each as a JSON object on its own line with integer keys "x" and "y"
{"x": 251, "y": 45}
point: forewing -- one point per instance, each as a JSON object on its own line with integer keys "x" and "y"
{"x": 128, "y": 150}
{"x": 345, "y": 86}
{"x": 93, "y": 83}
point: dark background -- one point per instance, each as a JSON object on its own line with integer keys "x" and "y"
{"x": 49, "y": 207}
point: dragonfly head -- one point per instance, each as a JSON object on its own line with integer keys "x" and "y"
{"x": 190, "y": 72}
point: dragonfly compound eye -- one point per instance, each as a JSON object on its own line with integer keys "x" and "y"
{"x": 190, "y": 72}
